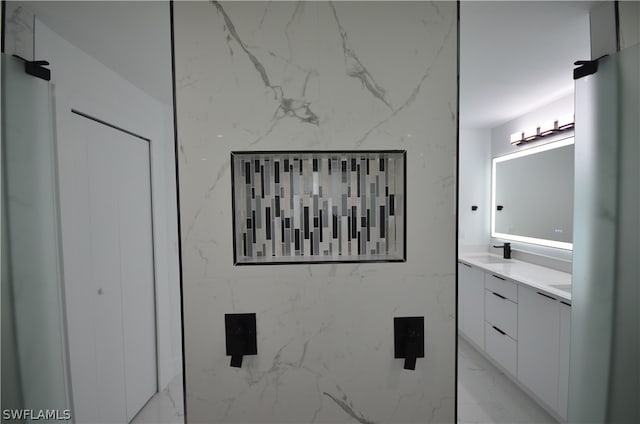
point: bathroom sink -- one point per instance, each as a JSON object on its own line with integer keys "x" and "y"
{"x": 489, "y": 259}
{"x": 563, "y": 287}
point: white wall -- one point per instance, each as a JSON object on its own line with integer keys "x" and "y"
{"x": 325, "y": 332}
{"x": 602, "y": 27}
{"x": 82, "y": 82}
{"x": 474, "y": 188}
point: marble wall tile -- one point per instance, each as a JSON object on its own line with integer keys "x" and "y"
{"x": 313, "y": 76}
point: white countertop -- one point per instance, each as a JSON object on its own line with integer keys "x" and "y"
{"x": 535, "y": 276}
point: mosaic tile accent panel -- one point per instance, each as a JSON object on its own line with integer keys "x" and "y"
{"x": 318, "y": 206}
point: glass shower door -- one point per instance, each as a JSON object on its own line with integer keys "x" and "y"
{"x": 605, "y": 320}
{"x": 34, "y": 371}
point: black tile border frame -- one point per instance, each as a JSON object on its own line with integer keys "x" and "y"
{"x": 176, "y": 162}
{"x": 319, "y": 152}
{"x": 2, "y": 24}
{"x": 456, "y": 370}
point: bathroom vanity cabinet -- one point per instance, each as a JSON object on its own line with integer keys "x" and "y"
{"x": 539, "y": 344}
{"x": 471, "y": 288}
{"x": 521, "y": 325}
{"x": 544, "y": 323}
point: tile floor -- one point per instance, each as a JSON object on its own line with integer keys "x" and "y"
{"x": 486, "y": 395}
{"x": 165, "y": 407}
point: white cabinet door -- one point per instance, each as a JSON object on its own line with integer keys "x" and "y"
{"x": 563, "y": 375}
{"x": 538, "y": 344}
{"x": 471, "y": 283}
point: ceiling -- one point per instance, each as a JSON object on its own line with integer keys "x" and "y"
{"x": 133, "y": 38}
{"x": 514, "y": 56}
{"x": 517, "y": 56}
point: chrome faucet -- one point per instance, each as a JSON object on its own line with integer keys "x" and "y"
{"x": 506, "y": 250}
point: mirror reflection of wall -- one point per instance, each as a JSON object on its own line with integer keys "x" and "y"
{"x": 532, "y": 195}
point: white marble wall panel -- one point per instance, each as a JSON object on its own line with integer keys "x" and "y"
{"x": 318, "y": 75}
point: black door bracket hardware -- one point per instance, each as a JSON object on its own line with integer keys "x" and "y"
{"x": 409, "y": 340}
{"x": 586, "y": 67}
{"x": 36, "y": 68}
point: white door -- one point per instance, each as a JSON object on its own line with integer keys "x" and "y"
{"x": 109, "y": 281}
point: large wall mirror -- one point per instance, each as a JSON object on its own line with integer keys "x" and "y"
{"x": 532, "y": 195}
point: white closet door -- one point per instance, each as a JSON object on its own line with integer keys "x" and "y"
{"x": 106, "y": 272}
{"x": 136, "y": 266}
{"x": 109, "y": 280}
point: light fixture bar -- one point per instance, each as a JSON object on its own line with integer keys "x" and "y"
{"x": 545, "y": 129}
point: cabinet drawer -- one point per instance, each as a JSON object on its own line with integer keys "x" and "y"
{"x": 502, "y": 348}
{"x": 502, "y": 313}
{"x": 501, "y": 286}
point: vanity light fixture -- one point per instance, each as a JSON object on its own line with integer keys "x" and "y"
{"x": 567, "y": 122}
{"x": 548, "y": 128}
{"x": 545, "y": 129}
